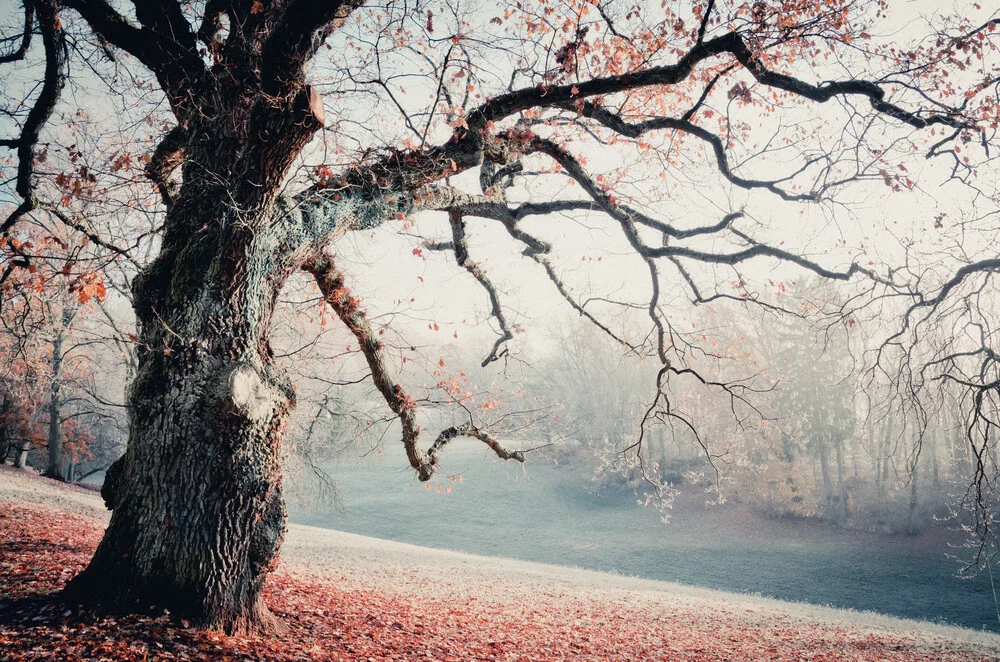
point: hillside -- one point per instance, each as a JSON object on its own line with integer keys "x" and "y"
{"x": 345, "y": 596}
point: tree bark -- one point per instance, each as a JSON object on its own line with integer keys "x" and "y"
{"x": 198, "y": 516}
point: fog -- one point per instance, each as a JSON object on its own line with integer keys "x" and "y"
{"x": 818, "y": 483}
{"x": 815, "y": 422}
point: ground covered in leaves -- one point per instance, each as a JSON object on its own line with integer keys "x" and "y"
{"x": 345, "y": 619}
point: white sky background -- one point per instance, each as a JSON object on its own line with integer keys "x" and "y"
{"x": 872, "y": 224}
{"x": 867, "y": 223}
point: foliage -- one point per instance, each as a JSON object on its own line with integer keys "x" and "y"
{"x": 252, "y": 142}
{"x": 350, "y": 619}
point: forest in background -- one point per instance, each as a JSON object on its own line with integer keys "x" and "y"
{"x": 816, "y": 438}
{"x": 241, "y": 238}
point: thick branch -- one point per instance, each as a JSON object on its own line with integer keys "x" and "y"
{"x": 302, "y": 29}
{"x": 469, "y": 145}
{"x": 167, "y": 52}
{"x": 22, "y": 50}
{"x": 164, "y": 18}
{"x": 167, "y": 156}
{"x": 823, "y": 93}
{"x": 54, "y": 78}
{"x": 331, "y": 283}
{"x": 470, "y": 430}
{"x": 211, "y": 22}
{"x": 347, "y": 308}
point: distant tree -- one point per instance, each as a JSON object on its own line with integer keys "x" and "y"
{"x": 816, "y": 393}
{"x": 21, "y": 387}
{"x": 282, "y": 126}
{"x": 44, "y": 404}
{"x": 597, "y": 388}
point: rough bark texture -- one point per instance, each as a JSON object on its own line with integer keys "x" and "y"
{"x": 198, "y": 512}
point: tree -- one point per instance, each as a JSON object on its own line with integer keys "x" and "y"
{"x": 273, "y": 151}
{"x": 42, "y": 405}
{"x": 819, "y": 406}
{"x": 21, "y": 384}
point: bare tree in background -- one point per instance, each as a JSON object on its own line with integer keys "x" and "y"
{"x": 275, "y": 147}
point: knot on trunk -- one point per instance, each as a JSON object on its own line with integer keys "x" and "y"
{"x": 112, "y": 479}
{"x": 266, "y": 537}
{"x": 251, "y": 395}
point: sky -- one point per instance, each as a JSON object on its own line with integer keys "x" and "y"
{"x": 864, "y": 223}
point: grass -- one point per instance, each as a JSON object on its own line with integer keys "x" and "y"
{"x": 541, "y": 513}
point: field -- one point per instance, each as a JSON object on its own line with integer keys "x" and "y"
{"x": 345, "y": 596}
{"x": 538, "y": 512}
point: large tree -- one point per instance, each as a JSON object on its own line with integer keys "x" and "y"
{"x": 790, "y": 102}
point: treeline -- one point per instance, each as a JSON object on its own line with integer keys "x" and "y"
{"x": 62, "y": 367}
{"x": 791, "y": 422}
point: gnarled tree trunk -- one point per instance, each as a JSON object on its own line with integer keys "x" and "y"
{"x": 198, "y": 512}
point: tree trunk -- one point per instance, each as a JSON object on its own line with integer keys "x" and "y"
{"x": 6, "y": 445}
{"x": 198, "y": 512}
{"x": 664, "y": 459}
{"x": 855, "y": 464}
{"x": 935, "y": 469}
{"x": 882, "y": 465}
{"x": 54, "y": 465}
{"x": 887, "y": 458}
{"x": 21, "y": 455}
{"x": 911, "y": 522}
{"x": 824, "y": 463}
{"x": 841, "y": 486}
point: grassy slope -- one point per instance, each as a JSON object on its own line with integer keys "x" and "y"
{"x": 350, "y": 597}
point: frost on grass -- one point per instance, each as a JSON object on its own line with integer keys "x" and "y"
{"x": 339, "y": 616}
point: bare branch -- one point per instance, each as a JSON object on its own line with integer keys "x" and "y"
{"x": 461, "y": 248}
{"x": 53, "y": 39}
{"x": 22, "y": 50}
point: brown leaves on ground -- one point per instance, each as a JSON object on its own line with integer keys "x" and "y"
{"x": 40, "y": 549}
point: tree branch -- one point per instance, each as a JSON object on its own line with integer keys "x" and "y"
{"x": 175, "y": 63}
{"x": 167, "y": 156}
{"x": 303, "y": 27}
{"x": 461, "y": 248}
{"x": 22, "y": 50}
{"x": 331, "y": 283}
{"x": 347, "y": 308}
{"x": 53, "y": 39}
{"x": 575, "y": 170}
{"x": 635, "y": 130}
{"x": 470, "y": 430}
